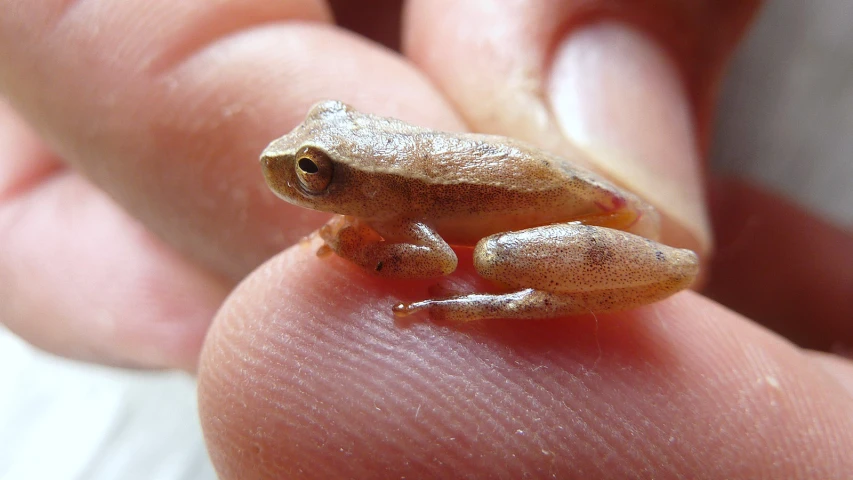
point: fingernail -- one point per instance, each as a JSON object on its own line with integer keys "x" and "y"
{"x": 618, "y": 96}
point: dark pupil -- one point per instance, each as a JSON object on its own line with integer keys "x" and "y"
{"x": 308, "y": 166}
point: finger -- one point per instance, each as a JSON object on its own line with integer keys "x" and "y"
{"x": 630, "y": 82}
{"x": 782, "y": 267}
{"x": 81, "y": 279}
{"x": 296, "y": 381}
{"x": 166, "y": 106}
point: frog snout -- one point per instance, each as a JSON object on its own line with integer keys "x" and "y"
{"x": 267, "y": 160}
{"x": 274, "y": 169}
{"x": 271, "y": 163}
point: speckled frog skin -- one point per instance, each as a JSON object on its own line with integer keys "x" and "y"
{"x": 560, "y": 240}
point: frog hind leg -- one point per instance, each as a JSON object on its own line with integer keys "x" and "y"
{"x": 566, "y": 269}
{"x": 526, "y": 304}
{"x": 403, "y": 249}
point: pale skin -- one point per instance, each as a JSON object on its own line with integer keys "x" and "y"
{"x": 301, "y": 375}
{"x": 557, "y": 239}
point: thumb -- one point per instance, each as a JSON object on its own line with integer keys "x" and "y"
{"x": 630, "y": 82}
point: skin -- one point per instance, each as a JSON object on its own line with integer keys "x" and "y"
{"x": 126, "y": 197}
{"x": 559, "y": 239}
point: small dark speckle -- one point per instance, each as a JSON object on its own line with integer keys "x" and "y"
{"x": 660, "y": 256}
{"x": 379, "y": 266}
{"x": 598, "y": 254}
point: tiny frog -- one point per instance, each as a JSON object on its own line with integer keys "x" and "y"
{"x": 557, "y": 239}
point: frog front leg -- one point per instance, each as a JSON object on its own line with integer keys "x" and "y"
{"x": 566, "y": 269}
{"x": 401, "y": 248}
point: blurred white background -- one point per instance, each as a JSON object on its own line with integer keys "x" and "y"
{"x": 786, "y": 120}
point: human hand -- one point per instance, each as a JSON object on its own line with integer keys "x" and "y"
{"x": 166, "y": 108}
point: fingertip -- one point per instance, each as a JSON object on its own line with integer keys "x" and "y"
{"x": 619, "y": 96}
{"x": 305, "y": 372}
{"x": 85, "y": 281}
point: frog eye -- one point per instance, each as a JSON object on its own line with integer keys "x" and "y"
{"x": 314, "y": 169}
